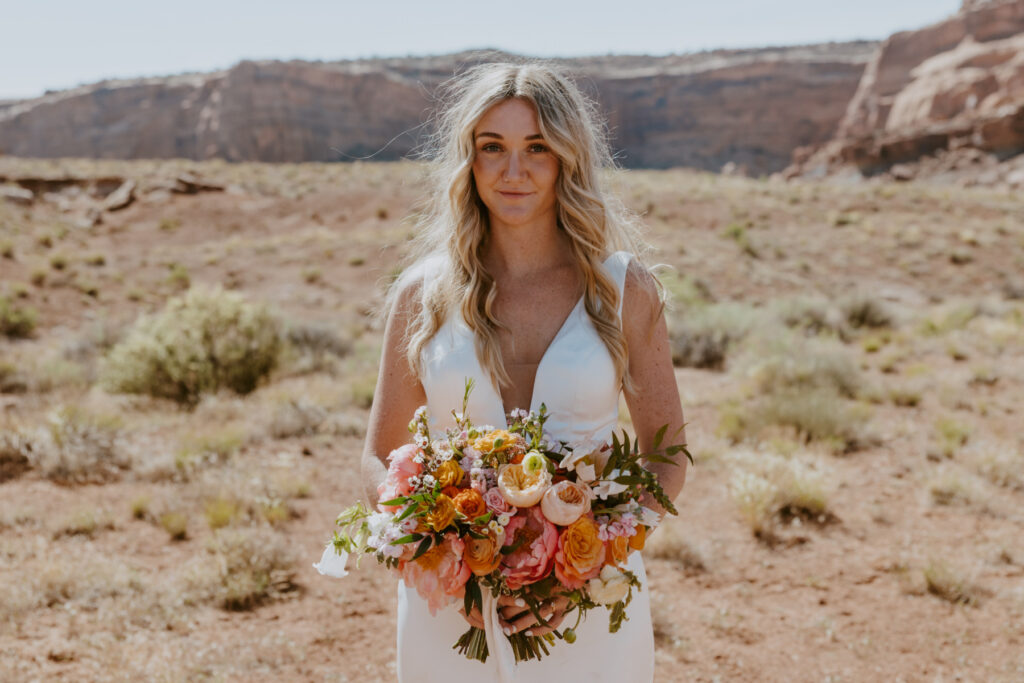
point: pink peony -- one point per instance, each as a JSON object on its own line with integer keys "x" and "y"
{"x": 496, "y": 502}
{"x": 537, "y": 541}
{"x": 439, "y": 574}
{"x": 401, "y": 466}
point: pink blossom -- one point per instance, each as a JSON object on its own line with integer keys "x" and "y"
{"x": 440, "y": 574}
{"x": 496, "y": 502}
{"x": 401, "y": 466}
{"x": 533, "y": 559}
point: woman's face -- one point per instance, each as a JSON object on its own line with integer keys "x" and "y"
{"x": 514, "y": 170}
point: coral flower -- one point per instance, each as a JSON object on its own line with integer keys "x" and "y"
{"x": 439, "y": 574}
{"x": 580, "y": 553}
{"x": 402, "y": 466}
{"x": 535, "y": 541}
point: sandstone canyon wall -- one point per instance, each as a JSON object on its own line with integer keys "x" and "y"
{"x": 952, "y": 90}
{"x": 749, "y": 107}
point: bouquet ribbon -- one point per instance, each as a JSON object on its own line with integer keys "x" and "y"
{"x": 497, "y": 643}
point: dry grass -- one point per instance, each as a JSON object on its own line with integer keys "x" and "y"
{"x": 770, "y": 489}
{"x": 951, "y": 584}
{"x": 244, "y": 568}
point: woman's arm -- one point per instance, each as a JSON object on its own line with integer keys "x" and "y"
{"x": 654, "y": 400}
{"x": 397, "y": 396}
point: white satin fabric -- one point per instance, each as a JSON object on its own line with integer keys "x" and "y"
{"x": 576, "y": 381}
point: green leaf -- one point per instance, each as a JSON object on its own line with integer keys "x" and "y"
{"x": 629, "y": 479}
{"x": 393, "y": 502}
{"x": 411, "y": 538}
{"x": 660, "y": 435}
{"x": 406, "y": 512}
{"x": 423, "y": 547}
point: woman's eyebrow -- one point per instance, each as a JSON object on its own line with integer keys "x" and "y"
{"x": 488, "y": 134}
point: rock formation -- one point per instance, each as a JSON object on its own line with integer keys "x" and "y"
{"x": 748, "y": 107}
{"x": 954, "y": 86}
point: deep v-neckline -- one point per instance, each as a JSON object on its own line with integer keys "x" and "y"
{"x": 540, "y": 364}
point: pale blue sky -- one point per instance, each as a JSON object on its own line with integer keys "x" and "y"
{"x": 58, "y": 44}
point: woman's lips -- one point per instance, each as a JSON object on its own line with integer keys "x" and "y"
{"x": 513, "y": 195}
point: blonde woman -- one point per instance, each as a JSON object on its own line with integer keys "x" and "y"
{"x": 528, "y": 281}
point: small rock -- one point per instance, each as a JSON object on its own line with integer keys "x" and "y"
{"x": 121, "y": 197}
{"x": 17, "y": 195}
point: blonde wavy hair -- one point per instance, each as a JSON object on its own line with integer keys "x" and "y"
{"x": 453, "y": 230}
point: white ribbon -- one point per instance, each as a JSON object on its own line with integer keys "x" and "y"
{"x": 497, "y": 644}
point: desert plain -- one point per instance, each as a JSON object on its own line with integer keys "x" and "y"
{"x": 850, "y": 358}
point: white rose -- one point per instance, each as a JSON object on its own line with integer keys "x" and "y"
{"x": 565, "y": 502}
{"x": 521, "y": 488}
{"x": 609, "y": 587}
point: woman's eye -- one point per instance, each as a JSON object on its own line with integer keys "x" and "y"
{"x": 538, "y": 148}
{"x": 491, "y": 147}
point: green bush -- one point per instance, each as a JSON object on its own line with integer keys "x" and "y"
{"x": 200, "y": 342}
{"x": 16, "y": 321}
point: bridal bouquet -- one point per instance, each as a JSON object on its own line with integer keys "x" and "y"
{"x": 488, "y": 512}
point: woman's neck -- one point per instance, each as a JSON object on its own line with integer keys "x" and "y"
{"x": 519, "y": 250}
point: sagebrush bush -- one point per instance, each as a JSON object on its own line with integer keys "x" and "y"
{"x": 702, "y": 336}
{"x": 200, "y": 342}
{"x": 74, "y": 447}
{"x": 863, "y": 310}
{"x": 812, "y": 315}
{"x": 248, "y": 567}
{"x": 769, "y": 488}
{"x": 791, "y": 363}
{"x": 17, "y": 322}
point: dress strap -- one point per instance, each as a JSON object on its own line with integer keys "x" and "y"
{"x": 617, "y": 264}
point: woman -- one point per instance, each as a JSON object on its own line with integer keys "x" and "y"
{"x": 528, "y": 283}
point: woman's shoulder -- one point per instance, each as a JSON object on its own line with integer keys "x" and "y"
{"x": 416, "y": 279}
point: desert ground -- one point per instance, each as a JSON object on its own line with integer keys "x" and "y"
{"x": 850, "y": 359}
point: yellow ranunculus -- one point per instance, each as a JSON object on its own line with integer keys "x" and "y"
{"x": 441, "y": 514}
{"x": 449, "y": 473}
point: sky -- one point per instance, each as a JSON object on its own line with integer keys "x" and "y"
{"x": 59, "y": 44}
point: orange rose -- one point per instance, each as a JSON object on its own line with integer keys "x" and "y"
{"x": 451, "y": 491}
{"x": 441, "y": 514}
{"x": 449, "y": 473}
{"x": 580, "y": 553}
{"x": 482, "y": 555}
{"x": 618, "y": 550}
{"x": 470, "y": 503}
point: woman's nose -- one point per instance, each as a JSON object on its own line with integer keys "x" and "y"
{"x": 513, "y": 167}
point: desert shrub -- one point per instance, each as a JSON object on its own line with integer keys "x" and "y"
{"x": 949, "y": 584}
{"x": 76, "y": 447}
{"x": 769, "y": 489}
{"x": 863, "y": 310}
{"x": 14, "y": 450}
{"x": 791, "y": 364}
{"x": 799, "y": 384}
{"x": 16, "y": 321}
{"x": 702, "y": 336}
{"x": 296, "y": 417}
{"x": 199, "y": 342}
{"x": 246, "y": 568}
{"x": 815, "y": 415}
{"x": 812, "y": 315}
{"x": 669, "y": 544}
{"x": 999, "y": 462}
{"x": 315, "y": 348}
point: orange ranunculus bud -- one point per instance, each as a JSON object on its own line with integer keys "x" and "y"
{"x": 441, "y": 514}
{"x": 449, "y": 473}
{"x": 636, "y": 542}
{"x": 470, "y": 503}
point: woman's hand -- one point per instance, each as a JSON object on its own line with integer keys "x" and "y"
{"x": 516, "y": 617}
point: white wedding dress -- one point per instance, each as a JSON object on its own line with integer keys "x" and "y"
{"x": 576, "y": 381}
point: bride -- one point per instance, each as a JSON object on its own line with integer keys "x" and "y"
{"x": 528, "y": 281}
